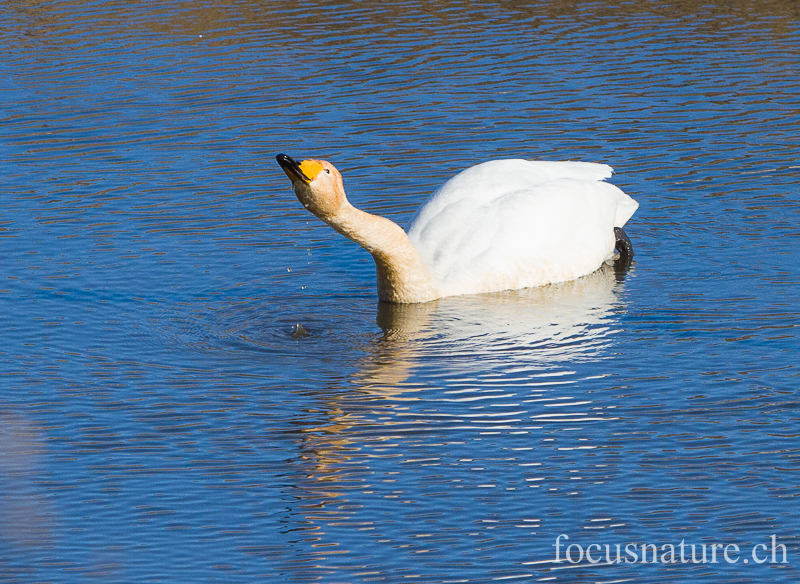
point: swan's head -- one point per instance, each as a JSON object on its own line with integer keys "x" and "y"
{"x": 317, "y": 184}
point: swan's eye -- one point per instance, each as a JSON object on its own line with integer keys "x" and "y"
{"x": 328, "y": 170}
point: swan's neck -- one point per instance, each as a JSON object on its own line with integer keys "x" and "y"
{"x": 402, "y": 275}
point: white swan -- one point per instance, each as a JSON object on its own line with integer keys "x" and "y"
{"x": 500, "y": 225}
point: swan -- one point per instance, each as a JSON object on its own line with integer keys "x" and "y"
{"x": 499, "y": 225}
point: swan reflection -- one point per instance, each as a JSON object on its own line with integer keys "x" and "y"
{"x": 489, "y": 363}
{"x": 538, "y": 327}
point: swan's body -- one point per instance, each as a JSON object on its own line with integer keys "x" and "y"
{"x": 500, "y": 225}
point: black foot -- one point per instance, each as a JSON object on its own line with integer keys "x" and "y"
{"x": 625, "y": 248}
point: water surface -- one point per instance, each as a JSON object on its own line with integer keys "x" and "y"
{"x": 160, "y": 422}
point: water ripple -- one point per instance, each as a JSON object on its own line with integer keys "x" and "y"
{"x": 163, "y": 420}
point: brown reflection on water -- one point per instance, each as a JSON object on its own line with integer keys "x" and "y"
{"x": 47, "y": 22}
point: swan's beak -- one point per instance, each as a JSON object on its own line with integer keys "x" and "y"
{"x": 292, "y": 168}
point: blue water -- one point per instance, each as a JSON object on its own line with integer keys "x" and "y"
{"x": 159, "y": 422}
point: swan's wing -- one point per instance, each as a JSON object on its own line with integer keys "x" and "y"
{"x": 491, "y": 180}
{"x": 490, "y": 228}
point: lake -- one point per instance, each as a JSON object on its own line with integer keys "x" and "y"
{"x": 161, "y": 418}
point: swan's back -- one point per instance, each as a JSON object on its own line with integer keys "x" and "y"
{"x": 509, "y": 224}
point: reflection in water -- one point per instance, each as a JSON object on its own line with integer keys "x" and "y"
{"x": 439, "y": 373}
{"x": 544, "y": 325}
{"x": 470, "y": 346}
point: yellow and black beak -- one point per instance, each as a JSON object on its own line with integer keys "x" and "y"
{"x": 292, "y": 168}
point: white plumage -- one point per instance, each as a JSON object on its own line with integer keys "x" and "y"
{"x": 509, "y": 224}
